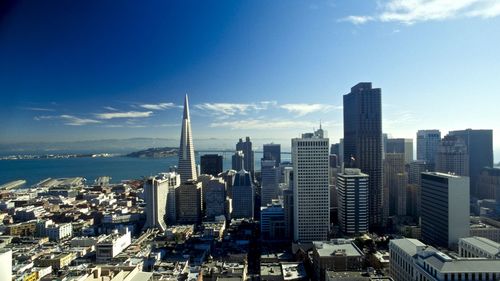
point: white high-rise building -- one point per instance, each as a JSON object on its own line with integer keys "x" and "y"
{"x": 186, "y": 167}
{"x": 157, "y": 191}
{"x": 352, "y": 189}
{"x": 311, "y": 192}
{"x": 5, "y": 265}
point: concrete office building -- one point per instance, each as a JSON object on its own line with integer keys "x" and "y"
{"x": 489, "y": 184}
{"x": 311, "y": 193}
{"x": 111, "y": 246}
{"x": 452, "y": 156}
{"x": 186, "y": 166}
{"x": 211, "y": 164}
{"x": 156, "y": 193}
{"x": 243, "y": 196}
{"x": 215, "y": 198}
{"x": 415, "y": 169}
{"x": 352, "y": 194}
{"x": 269, "y": 181}
{"x": 444, "y": 209}
{"x": 5, "y": 264}
{"x": 427, "y": 145}
{"x": 337, "y": 255}
{"x": 363, "y": 142}
{"x": 189, "y": 202}
{"x": 412, "y": 260}
{"x": 272, "y": 152}
{"x": 478, "y": 247}
{"x": 480, "y": 151}
{"x": 399, "y": 145}
{"x": 394, "y": 184}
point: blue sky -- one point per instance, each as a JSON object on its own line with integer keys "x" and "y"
{"x": 75, "y": 70}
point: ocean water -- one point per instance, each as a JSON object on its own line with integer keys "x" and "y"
{"x": 118, "y": 168}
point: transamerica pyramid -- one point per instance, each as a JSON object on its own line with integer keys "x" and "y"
{"x": 186, "y": 167}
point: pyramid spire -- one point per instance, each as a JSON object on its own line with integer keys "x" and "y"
{"x": 186, "y": 166}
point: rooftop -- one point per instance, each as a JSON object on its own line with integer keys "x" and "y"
{"x": 329, "y": 248}
{"x": 491, "y": 247}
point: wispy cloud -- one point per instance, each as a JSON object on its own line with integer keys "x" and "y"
{"x": 262, "y": 124}
{"x": 37, "y": 108}
{"x": 128, "y": 114}
{"x": 258, "y": 124}
{"x": 413, "y": 11}
{"x": 110, "y": 108}
{"x": 357, "y": 19}
{"x": 302, "y": 109}
{"x": 158, "y": 106}
{"x": 69, "y": 120}
{"x": 231, "y": 109}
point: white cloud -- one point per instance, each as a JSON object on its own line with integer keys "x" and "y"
{"x": 302, "y": 109}
{"x": 110, "y": 108}
{"x": 69, "y": 120}
{"x": 37, "y": 108}
{"x": 129, "y": 114}
{"x": 259, "y": 124}
{"x": 159, "y": 106}
{"x": 231, "y": 109}
{"x": 413, "y": 11}
{"x": 357, "y": 19}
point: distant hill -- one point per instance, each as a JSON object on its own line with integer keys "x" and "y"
{"x": 156, "y": 152}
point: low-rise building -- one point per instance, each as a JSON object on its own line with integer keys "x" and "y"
{"x": 478, "y": 247}
{"x": 56, "y": 261}
{"x": 112, "y": 246}
{"x": 412, "y": 260}
{"x": 337, "y": 255}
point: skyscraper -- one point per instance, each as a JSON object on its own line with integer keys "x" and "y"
{"x": 189, "y": 202}
{"x": 427, "y": 146}
{"x": 352, "y": 189}
{"x": 452, "y": 156}
{"x": 270, "y": 181}
{"x": 400, "y": 145}
{"x": 246, "y": 147}
{"x": 444, "y": 209}
{"x": 186, "y": 167}
{"x": 215, "y": 198}
{"x": 272, "y": 151}
{"x": 363, "y": 142}
{"x": 211, "y": 164}
{"x": 243, "y": 195}
{"x": 394, "y": 185}
{"x": 238, "y": 160}
{"x": 480, "y": 148}
{"x": 156, "y": 192}
{"x": 311, "y": 193}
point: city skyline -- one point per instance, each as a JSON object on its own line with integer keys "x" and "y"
{"x": 239, "y": 83}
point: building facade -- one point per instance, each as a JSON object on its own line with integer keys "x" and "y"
{"x": 243, "y": 196}
{"x": 452, "y": 156}
{"x": 399, "y": 145}
{"x": 156, "y": 193}
{"x": 363, "y": 142}
{"x": 186, "y": 166}
{"x": 189, "y": 202}
{"x": 427, "y": 146}
{"x": 246, "y": 147}
{"x": 444, "y": 209}
{"x": 211, "y": 164}
{"x": 352, "y": 195}
{"x": 269, "y": 181}
{"x": 311, "y": 193}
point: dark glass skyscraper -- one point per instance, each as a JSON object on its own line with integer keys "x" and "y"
{"x": 363, "y": 142}
{"x": 272, "y": 152}
{"x": 246, "y": 147}
{"x": 211, "y": 164}
{"x": 480, "y": 148}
